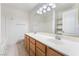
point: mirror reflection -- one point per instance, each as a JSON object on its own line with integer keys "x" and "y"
{"x": 56, "y": 18}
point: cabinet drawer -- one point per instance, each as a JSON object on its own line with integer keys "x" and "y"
{"x": 51, "y": 52}
{"x": 32, "y": 40}
{"x": 40, "y": 46}
{"x": 39, "y": 52}
{"x": 32, "y": 47}
{"x": 32, "y": 53}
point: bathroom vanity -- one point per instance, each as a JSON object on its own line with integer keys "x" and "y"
{"x": 34, "y": 47}
{"x": 45, "y": 44}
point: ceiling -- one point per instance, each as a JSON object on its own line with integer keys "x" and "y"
{"x": 63, "y": 6}
{"x": 21, "y": 6}
{"x": 30, "y": 6}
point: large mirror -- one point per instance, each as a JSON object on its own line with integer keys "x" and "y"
{"x": 57, "y": 18}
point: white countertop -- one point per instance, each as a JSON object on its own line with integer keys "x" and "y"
{"x": 66, "y": 45}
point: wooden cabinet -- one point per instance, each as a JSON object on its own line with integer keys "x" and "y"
{"x": 32, "y": 53}
{"x": 36, "y": 48}
{"x": 27, "y": 43}
{"x": 32, "y": 40}
{"x": 32, "y": 47}
{"x": 52, "y": 52}
{"x": 40, "y": 49}
{"x": 39, "y": 52}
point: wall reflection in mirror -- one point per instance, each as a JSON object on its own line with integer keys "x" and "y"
{"x": 57, "y": 18}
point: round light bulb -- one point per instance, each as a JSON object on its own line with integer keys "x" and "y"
{"x": 44, "y": 6}
{"x": 50, "y": 4}
{"x": 41, "y": 9}
{"x": 38, "y": 12}
{"x": 48, "y": 9}
{"x": 53, "y": 6}
{"x": 44, "y": 11}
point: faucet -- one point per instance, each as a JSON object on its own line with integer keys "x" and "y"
{"x": 57, "y": 37}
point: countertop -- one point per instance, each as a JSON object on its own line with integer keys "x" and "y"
{"x": 67, "y": 45}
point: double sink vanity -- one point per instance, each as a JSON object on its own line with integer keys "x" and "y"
{"x": 45, "y": 44}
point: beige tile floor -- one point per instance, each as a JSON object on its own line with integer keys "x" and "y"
{"x": 17, "y": 49}
{"x": 13, "y": 50}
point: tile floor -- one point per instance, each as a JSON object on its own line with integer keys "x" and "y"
{"x": 17, "y": 49}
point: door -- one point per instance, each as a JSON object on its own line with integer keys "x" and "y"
{"x": 69, "y": 21}
{"x": 15, "y": 29}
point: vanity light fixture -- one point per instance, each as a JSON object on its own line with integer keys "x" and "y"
{"x": 45, "y": 8}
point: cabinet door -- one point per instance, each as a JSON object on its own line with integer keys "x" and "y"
{"x": 25, "y": 41}
{"x": 40, "y": 49}
{"x": 32, "y": 53}
{"x": 32, "y": 47}
{"x": 39, "y": 52}
{"x": 51, "y": 52}
{"x": 40, "y": 46}
{"x": 69, "y": 21}
{"x": 32, "y": 40}
{"x": 27, "y": 44}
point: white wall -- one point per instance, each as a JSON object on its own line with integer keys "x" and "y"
{"x": 2, "y": 45}
{"x": 53, "y": 21}
{"x": 49, "y": 18}
{"x": 14, "y": 24}
{"x": 0, "y": 25}
{"x": 40, "y": 23}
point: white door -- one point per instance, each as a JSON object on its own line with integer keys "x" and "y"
{"x": 69, "y": 21}
{"x": 20, "y": 31}
{"x": 15, "y": 30}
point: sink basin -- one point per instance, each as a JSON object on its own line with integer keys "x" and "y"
{"x": 44, "y": 36}
{"x": 49, "y": 38}
{"x": 55, "y": 41}
{"x": 58, "y": 42}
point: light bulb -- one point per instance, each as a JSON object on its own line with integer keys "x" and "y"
{"x": 44, "y": 11}
{"x": 48, "y": 9}
{"x": 44, "y": 6}
{"x": 53, "y": 6}
{"x": 38, "y": 12}
{"x": 41, "y": 9}
{"x": 50, "y": 4}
